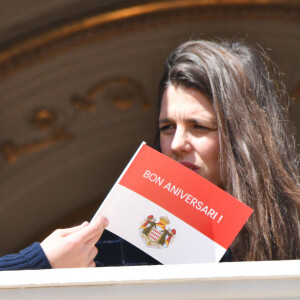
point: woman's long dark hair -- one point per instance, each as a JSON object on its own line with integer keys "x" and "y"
{"x": 258, "y": 159}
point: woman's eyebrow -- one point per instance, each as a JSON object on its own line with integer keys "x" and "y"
{"x": 209, "y": 122}
{"x": 164, "y": 120}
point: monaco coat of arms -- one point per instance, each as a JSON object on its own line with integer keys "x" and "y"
{"x": 155, "y": 233}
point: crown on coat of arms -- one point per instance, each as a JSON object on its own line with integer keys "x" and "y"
{"x": 164, "y": 220}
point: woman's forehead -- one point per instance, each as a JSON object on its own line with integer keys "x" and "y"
{"x": 187, "y": 101}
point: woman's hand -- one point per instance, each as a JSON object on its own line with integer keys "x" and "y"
{"x": 74, "y": 247}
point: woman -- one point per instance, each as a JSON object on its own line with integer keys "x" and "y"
{"x": 219, "y": 114}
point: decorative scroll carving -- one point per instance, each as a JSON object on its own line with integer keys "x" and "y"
{"x": 81, "y": 103}
{"x": 11, "y": 151}
{"x": 122, "y": 91}
{"x": 43, "y": 119}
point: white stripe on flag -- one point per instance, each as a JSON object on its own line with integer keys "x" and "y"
{"x": 127, "y": 210}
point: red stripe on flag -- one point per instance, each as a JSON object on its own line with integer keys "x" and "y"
{"x": 188, "y": 187}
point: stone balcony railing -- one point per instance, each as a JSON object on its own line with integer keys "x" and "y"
{"x": 242, "y": 280}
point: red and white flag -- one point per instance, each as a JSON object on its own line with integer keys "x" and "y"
{"x": 170, "y": 212}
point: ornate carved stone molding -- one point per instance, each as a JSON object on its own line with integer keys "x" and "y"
{"x": 111, "y": 24}
{"x": 122, "y": 91}
{"x": 11, "y": 151}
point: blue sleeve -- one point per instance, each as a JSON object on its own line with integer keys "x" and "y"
{"x": 30, "y": 258}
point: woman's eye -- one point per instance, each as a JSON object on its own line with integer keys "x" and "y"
{"x": 168, "y": 128}
{"x": 200, "y": 127}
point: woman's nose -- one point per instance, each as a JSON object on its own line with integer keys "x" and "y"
{"x": 180, "y": 142}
